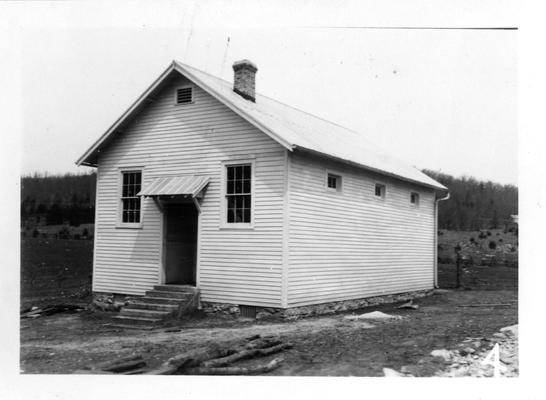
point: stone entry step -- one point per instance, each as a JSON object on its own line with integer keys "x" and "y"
{"x": 164, "y": 302}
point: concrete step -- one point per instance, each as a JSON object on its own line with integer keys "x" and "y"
{"x": 176, "y": 288}
{"x": 161, "y": 300}
{"x": 172, "y": 295}
{"x": 141, "y": 313}
{"x": 136, "y": 321}
{"x": 140, "y": 305}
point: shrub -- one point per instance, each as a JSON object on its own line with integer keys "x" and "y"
{"x": 64, "y": 233}
{"x": 488, "y": 233}
{"x": 500, "y": 240}
{"x": 492, "y": 245}
{"x": 482, "y": 235}
{"x": 85, "y": 232}
{"x": 498, "y": 233}
{"x": 472, "y": 240}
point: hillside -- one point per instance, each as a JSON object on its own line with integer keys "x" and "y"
{"x": 57, "y": 199}
{"x": 475, "y": 204}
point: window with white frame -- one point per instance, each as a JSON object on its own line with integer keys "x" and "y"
{"x": 380, "y": 190}
{"x": 130, "y": 202}
{"x": 334, "y": 182}
{"x": 239, "y": 193}
{"x": 414, "y": 198}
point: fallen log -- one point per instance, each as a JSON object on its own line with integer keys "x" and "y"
{"x": 190, "y": 358}
{"x": 126, "y": 366}
{"x": 196, "y": 357}
{"x": 220, "y": 362}
{"x": 487, "y": 305}
{"x": 260, "y": 369}
{"x": 50, "y": 310}
{"x": 106, "y": 365}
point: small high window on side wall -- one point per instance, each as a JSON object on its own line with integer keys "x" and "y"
{"x": 333, "y": 182}
{"x": 414, "y": 198}
{"x": 130, "y": 202}
{"x": 239, "y": 194}
{"x": 380, "y": 190}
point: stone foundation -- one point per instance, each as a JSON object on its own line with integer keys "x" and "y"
{"x": 210, "y": 308}
{"x": 111, "y": 301}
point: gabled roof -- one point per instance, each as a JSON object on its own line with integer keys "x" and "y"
{"x": 292, "y": 128}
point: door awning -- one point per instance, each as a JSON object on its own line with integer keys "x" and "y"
{"x": 175, "y": 186}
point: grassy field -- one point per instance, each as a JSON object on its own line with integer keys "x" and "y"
{"x": 54, "y": 270}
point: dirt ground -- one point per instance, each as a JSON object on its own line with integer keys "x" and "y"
{"x": 327, "y": 345}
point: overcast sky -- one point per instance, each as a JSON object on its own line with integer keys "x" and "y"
{"x": 439, "y": 99}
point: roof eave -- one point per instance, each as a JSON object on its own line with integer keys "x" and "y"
{"x": 83, "y": 160}
{"x": 440, "y": 187}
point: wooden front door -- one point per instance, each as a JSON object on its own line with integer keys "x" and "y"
{"x": 180, "y": 243}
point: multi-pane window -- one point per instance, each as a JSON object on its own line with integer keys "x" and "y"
{"x": 380, "y": 190}
{"x": 130, "y": 202}
{"x": 239, "y": 193}
{"x": 334, "y": 182}
{"x": 414, "y": 198}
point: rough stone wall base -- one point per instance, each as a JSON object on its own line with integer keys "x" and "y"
{"x": 111, "y": 301}
{"x": 212, "y": 308}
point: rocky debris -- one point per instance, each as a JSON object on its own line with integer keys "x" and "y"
{"x": 468, "y": 359}
{"x": 442, "y": 353}
{"x": 373, "y": 315}
{"x": 110, "y": 302}
{"x": 392, "y": 373}
{"x": 513, "y": 329}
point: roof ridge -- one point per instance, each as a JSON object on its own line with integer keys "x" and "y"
{"x": 275, "y": 100}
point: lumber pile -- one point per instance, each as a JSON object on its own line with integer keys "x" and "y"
{"x": 36, "y": 312}
{"x": 210, "y": 360}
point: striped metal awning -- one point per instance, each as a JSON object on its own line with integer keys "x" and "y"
{"x": 175, "y": 186}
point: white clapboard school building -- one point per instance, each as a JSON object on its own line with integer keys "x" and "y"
{"x": 256, "y": 204}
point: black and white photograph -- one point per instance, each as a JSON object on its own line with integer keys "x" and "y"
{"x": 231, "y": 192}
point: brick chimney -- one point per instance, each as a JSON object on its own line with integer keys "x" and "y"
{"x": 244, "y": 81}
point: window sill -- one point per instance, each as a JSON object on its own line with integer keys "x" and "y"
{"x": 237, "y": 227}
{"x": 129, "y": 226}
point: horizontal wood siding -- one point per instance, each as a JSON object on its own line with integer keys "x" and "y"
{"x": 350, "y": 244}
{"x": 236, "y": 266}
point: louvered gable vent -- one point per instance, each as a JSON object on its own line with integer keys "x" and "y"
{"x": 184, "y": 95}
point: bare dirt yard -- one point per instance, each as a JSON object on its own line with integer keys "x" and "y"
{"x": 326, "y": 345}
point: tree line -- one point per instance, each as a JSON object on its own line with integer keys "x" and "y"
{"x": 473, "y": 204}
{"x": 58, "y": 199}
